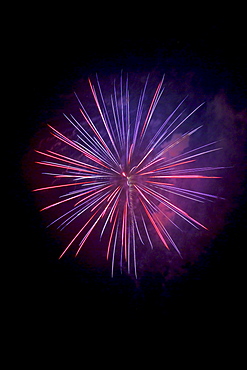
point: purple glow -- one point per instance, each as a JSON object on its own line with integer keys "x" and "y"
{"x": 129, "y": 171}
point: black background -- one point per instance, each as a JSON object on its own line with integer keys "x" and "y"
{"x": 52, "y": 51}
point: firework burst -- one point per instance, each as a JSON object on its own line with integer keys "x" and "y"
{"x": 118, "y": 173}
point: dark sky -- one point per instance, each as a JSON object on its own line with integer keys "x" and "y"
{"x": 62, "y": 294}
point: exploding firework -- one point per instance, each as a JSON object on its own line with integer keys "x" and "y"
{"x": 122, "y": 169}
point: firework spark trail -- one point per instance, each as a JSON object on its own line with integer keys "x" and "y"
{"x": 124, "y": 176}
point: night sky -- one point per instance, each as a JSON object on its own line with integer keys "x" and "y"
{"x": 53, "y": 294}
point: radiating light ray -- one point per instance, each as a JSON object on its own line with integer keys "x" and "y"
{"x": 154, "y": 223}
{"x": 117, "y": 176}
{"x": 75, "y": 237}
{"x": 161, "y": 168}
{"x": 152, "y": 106}
{"x": 111, "y": 235}
{"x": 184, "y": 177}
{"x": 58, "y": 186}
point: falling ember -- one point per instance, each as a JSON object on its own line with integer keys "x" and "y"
{"x": 116, "y": 171}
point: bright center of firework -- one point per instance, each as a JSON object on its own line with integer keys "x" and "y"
{"x": 127, "y": 177}
{"x": 129, "y": 180}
